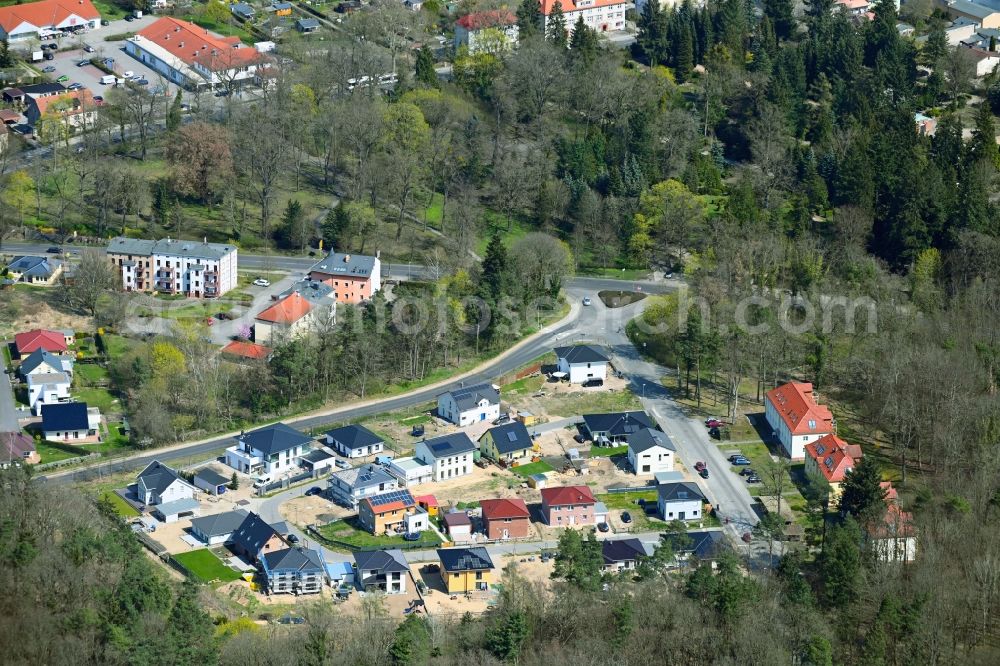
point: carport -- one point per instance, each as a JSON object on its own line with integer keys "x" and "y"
{"x": 171, "y": 512}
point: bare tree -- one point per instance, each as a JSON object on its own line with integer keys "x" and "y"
{"x": 94, "y": 277}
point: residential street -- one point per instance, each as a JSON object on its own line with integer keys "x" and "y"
{"x": 8, "y": 413}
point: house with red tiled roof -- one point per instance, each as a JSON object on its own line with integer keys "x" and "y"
{"x": 46, "y": 18}
{"x": 490, "y": 31}
{"x": 796, "y": 418}
{"x": 830, "y": 458}
{"x": 193, "y": 57}
{"x": 893, "y": 537}
{"x": 50, "y": 341}
{"x": 506, "y": 518}
{"x": 568, "y": 506}
{"x": 599, "y": 15}
{"x": 287, "y": 318}
{"x": 247, "y": 350}
{"x": 75, "y": 108}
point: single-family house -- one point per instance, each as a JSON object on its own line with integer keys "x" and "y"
{"x": 75, "y": 109}
{"x": 288, "y": 318}
{"x": 829, "y": 459}
{"x": 35, "y": 270}
{"x": 254, "y": 538}
{"x": 218, "y": 528}
{"x": 410, "y": 471}
{"x": 307, "y": 25}
{"x": 46, "y": 19}
{"x": 354, "y": 278}
{"x": 465, "y": 569}
{"x": 986, "y": 61}
{"x": 49, "y": 388}
{"x": 599, "y": 15}
{"x": 296, "y": 570}
{"x": 464, "y": 406}
{"x": 651, "y": 452}
{"x": 507, "y": 442}
{"x": 854, "y": 8}
{"x": 281, "y": 8}
{"x": 242, "y": 350}
{"x": 350, "y": 486}
{"x": 393, "y": 512}
{"x": 242, "y": 10}
{"x": 624, "y": 554}
{"x": 354, "y": 441}
{"x": 679, "y": 501}
{"x": 211, "y": 481}
{"x": 41, "y": 362}
{"x": 459, "y": 526}
{"x": 158, "y": 484}
{"x": 961, "y": 28}
{"x": 71, "y": 422}
{"x": 16, "y": 448}
{"x": 490, "y": 31}
{"x": 50, "y": 341}
{"x": 893, "y": 538}
{"x": 796, "y": 418}
{"x": 568, "y": 506}
{"x": 506, "y": 518}
{"x": 385, "y": 570}
{"x": 450, "y": 456}
{"x": 271, "y": 450}
{"x": 615, "y": 428}
{"x": 697, "y": 546}
{"x": 581, "y": 363}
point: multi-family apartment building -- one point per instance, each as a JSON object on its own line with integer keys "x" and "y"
{"x": 174, "y": 266}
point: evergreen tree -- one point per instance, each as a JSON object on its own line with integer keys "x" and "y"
{"x": 840, "y": 564}
{"x": 984, "y": 144}
{"x": 556, "y": 28}
{"x": 529, "y": 19}
{"x": 862, "y": 495}
{"x": 412, "y": 642}
{"x": 651, "y": 41}
{"x": 494, "y": 280}
{"x": 936, "y": 45}
{"x": 291, "y": 233}
{"x": 506, "y": 638}
{"x": 780, "y": 13}
{"x": 6, "y": 59}
{"x": 584, "y": 42}
{"x": 190, "y": 632}
{"x": 684, "y": 58}
{"x": 424, "y": 69}
{"x": 579, "y": 561}
{"x": 234, "y": 482}
{"x": 174, "y": 114}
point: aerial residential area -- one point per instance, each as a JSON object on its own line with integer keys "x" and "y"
{"x": 483, "y": 332}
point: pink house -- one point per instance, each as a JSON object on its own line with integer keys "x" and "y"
{"x": 567, "y": 506}
{"x": 353, "y": 278}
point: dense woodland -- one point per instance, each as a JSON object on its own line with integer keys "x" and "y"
{"x": 774, "y": 157}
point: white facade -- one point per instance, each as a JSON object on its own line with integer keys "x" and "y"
{"x": 680, "y": 509}
{"x": 446, "y": 467}
{"x": 651, "y": 461}
{"x": 252, "y": 461}
{"x": 483, "y": 410}
{"x": 27, "y": 30}
{"x": 580, "y": 372}
{"x": 47, "y": 389}
{"x": 418, "y": 521}
{"x": 411, "y": 471}
{"x": 794, "y": 445}
{"x": 597, "y": 15}
{"x": 175, "y": 266}
{"x": 486, "y": 39}
{"x": 78, "y": 436}
{"x": 177, "y": 490}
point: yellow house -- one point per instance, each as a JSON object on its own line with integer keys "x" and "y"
{"x": 393, "y": 512}
{"x": 281, "y": 8}
{"x": 507, "y": 442}
{"x": 465, "y": 569}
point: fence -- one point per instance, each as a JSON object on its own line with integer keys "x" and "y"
{"x": 68, "y": 461}
{"x": 281, "y": 484}
{"x": 631, "y": 489}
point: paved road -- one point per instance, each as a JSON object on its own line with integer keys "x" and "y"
{"x": 8, "y": 412}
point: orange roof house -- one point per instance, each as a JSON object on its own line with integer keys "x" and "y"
{"x": 796, "y": 418}
{"x": 831, "y": 458}
{"x": 74, "y": 106}
{"x": 506, "y": 518}
{"x": 600, "y": 15}
{"x": 288, "y": 310}
{"x": 248, "y": 350}
{"x": 29, "y": 341}
{"x": 29, "y": 20}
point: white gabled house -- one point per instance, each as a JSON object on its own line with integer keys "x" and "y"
{"x": 465, "y": 406}
{"x": 582, "y": 363}
{"x": 159, "y": 484}
{"x": 679, "y": 501}
{"x": 650, "y": 452}
{"x": 449, "y": 456}
{"x": 792, "y": 412}
{"x": 47, "y": 388}
{"x": 273, "y": 449}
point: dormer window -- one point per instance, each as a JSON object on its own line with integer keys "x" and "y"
{"x": 812, "y": 424}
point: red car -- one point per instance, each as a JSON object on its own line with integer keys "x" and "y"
{"x": 714, "y": 423}
{"x": 700, "y": 465}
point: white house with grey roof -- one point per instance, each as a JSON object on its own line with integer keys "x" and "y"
{"x": 174, "y": 266}
{"x": 650, "y": 452}
{"x": 41, "y": 362}
{"x": 35, "y": 270}
{"x": 352, "y": 485}
{"x": 273, "y": 450}
{"x": 679, "y": 501}
{"x": 295, "y": 570}
{"x": 449, "y": 456}
{"x": 582, "y": 363}
{"x": 218, "y": 528}
{"x": 159, "y": 484}
{"x": 464, "y": 406}
{"x": 47, "y": 388}
{"x": 354, "y": 441}
{"x": 615, "y": 427}
{"x": 385, "y": 570}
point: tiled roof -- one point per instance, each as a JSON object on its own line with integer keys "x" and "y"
{"x": 219, "y": 523}
{"x": 293, "y": 559}
{"x": 14, "y": 446}
{"x": 465, "y": 559}
{"x": 386, "y": 561}
{"x": 456, "y": 519}
{"x": 571, "y": 6}
{"x": 45, "y": 13}
{"x": 796, "y": 406}
{"x": 622, "y": 550}
{"x": 70, "y": 103}
{"x": 353, "y": 436}
{"x": 679, "y": 492}
{"x": 288, "y": 310}
{"x": 29, "y": 341}
{"x": 34, "y": 266}
{"x": 618, "y": 424}
{"x": 246, "y": 349}
{"x": 41, "y": 357}
{"x": 497, "y": 18}
{"x": 364, "y": 476}
{"x": 192, "y": 44}
{"x": 253, "y": 533}
{"x": 834, "y": 457}
{"x": 158, "y": 477}
{"x": 470, "y": 396}
{"x": 581, "y": 354}
{"x": 452, "y": 444}
{"x": 567, "y": 495}
{"x": 497, "y": 509}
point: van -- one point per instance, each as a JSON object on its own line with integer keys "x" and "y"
{"x": 108, "y": 79}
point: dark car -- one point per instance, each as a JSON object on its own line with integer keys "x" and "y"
{"x": 703, "y": 473}
{"x": 49, "y": 56}
{"x": 753, "y": 478}
{"x": 143, "y": 82}
{"x": 417, "y": 431}
{"x": 746, "y": 471}
{"x": 626, "y": 517}
{"x": 714, "y": 433}
{"x": 83, "y": 63}
{"x": 503, "y": 418}
{"x": 53, "y": 250}
{"x": 593, "y": 382}
{"x": 700, "y": 465}
{"x": 315, "y": 490}
{"x": 129, "y": 18}
{"x": 412, "y": 536}
{"x": 580, "y": 439}
{"x": 98, "y": 98}
{"x": 292, "y": 539}
{"x": 602, "y": 527}
{"x": 105, "y": 22}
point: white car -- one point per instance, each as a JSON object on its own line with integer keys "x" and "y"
{"x": 261, "y": 282}
{"x": 586, "y": 300}
{"x": 128, "y": 74}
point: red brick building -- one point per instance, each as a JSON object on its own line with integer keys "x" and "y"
{"x": 505, "y": 519}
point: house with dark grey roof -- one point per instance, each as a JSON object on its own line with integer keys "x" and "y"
{"x": 218, "y": 528}
{"x": 507, "y": 442}
{"x": 242, "y": 10}
{"x": 354, "y": 441}
{"x": 296, "y": 571}
{"x": 211, "y": 480}
{"x": 350, "y": 486}
{"x": 700, "y": 545}
{"x": 35, "y": 270}
{"x": 158, "y": 484}
{"x": 624, "y": 554}
{"x": 318, "y": 460}
{"x": 41, "y": 361}
{"x": 307, "y": 25}
{"x": 607, "y": 429}
{"x": 465, "y": 570}
{"x": 582, "y": 363}
{"x": 272, "y": 450}
{"x": 450, "y": 455}
{"x": 355, "y": 278}
{"x": 464, "y": 406}
{"x": 680, "y": 501}
{"x": 254, "y": 538}
{"x": 651, "y": 452}
{"x": 385, "y": 570}
{"x": 17, "y": 448}
{"x": 71, "y": 422}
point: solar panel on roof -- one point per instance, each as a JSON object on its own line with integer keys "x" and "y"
{"x": 511, "y": 436}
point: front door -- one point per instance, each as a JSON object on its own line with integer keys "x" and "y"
{"x": 482, "y": 416}
{"x": 680, "y": 515}
{"x": 572, "y": 520}
{"x": 506, "y": 534}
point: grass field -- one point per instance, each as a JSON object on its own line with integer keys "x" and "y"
{"x": 206, "y": 567}
{"x": 608, "y": 451}
{"x": 350, "y": 532}
{"x": 54, "y": 452}
{"x": 592, "y": 402}
{"x": 98, "y": 397}
{"x": 90, "y": 373}
{"x": 123, "y": 508}
{"x": 532, "y": 468}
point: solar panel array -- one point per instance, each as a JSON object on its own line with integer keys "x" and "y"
{"x": 392, "y": 496}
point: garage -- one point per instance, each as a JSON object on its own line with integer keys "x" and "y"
{"x": 171, "y": 512}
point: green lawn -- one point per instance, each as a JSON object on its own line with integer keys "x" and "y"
{"x": 626, "y": 501}
{"x": 98, "y": 397}
{"x": 539, "y": 467}
{"x": 117, "y": 345}
{"x": 90, "y": 373}
{"x": 204, "y": 566}
{"x": 418, "y": 419}
{"x": 608, "y": 451}
{"x": 54, "y": 452}
{"x": 350, "y": 532}
{"x": 108, "y": 10}
{"x": 592, "y": 402}
{"x": 123, "y": 508}
{"x": 526, "y": 385}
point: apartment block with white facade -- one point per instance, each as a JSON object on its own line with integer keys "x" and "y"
{"x": 599, "y": 15}
{"x": 173, "y": 266}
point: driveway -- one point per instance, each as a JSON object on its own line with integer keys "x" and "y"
{"x": 223, "y": 330}
{"x": 8, "y": 412}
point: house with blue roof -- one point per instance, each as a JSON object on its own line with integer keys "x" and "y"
{"x": 35, "y": 270}
{"x": 354, "y": 441}
{"x": 507, "y": 442}
{"x": 41, "y": 361}
{"x": 295, "y": 570}
{"x": 468, "y": 404}
{"x": 71, "y": 422}
{"x": 272, "y": 450}
{"x": 350, "y": 486}
{"x": 449, "y": 456}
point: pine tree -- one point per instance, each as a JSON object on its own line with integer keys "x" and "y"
{"x": 862, "y": 495}
{"x": 174, "y": 114}
{"x": 780, "y": 13}
{"x": 651, "y": 42}
{"x": 556, "y": 27}
{"x": 234, "y": 482}
{"x": 685, "y": 55}
{"x": 494, "y": 280}
{"x": 584, "y": 42}
{"x": 840, "y": 564}
{"x": 424, "y": 68}
{"x": 6, "y": 59}
{"x": 936, "y": 45}
{"x": 529, "y": 18}
{"x": 984, "y": 141}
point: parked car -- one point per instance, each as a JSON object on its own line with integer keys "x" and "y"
{"x": 128, "y": 74}
{"x": 54, "y": 250}
{"x": 74, "y": 86}
{"x": 48, "y": 55}
{"x": 740, "y": 461}
{"x": 342, "y": 464}
{"x": 586, "y": 300}
{"x": 62, "y": 79}
{"x": 142, "y": 82}
{"x": 714, "y": 423}
{"x": 700, "y": 465}
{"x": 261, "y": 282}
{"x": 500, "y": 420}
{"x": 98, "y": 98}
{"x": 602, "y": 527}
{"x": 626, "y": 517}
{"x": 579, "y": 438}
{"x": 88, "y": 49}
{"x": 129, "y": 18}
{"x": 48, "y": 68}
{"x": 412, "y": 536}
{"x": 590, "y": 383}
{"x": 703, "y": 473}
{"x": 753, "y": 478}
{"x": 105, "y": 22}
{"x": 714, "y": 433}
{"x": 292, "y": 539}
{"x": 315, "y": 490}
{"x": 83, "y": 63}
